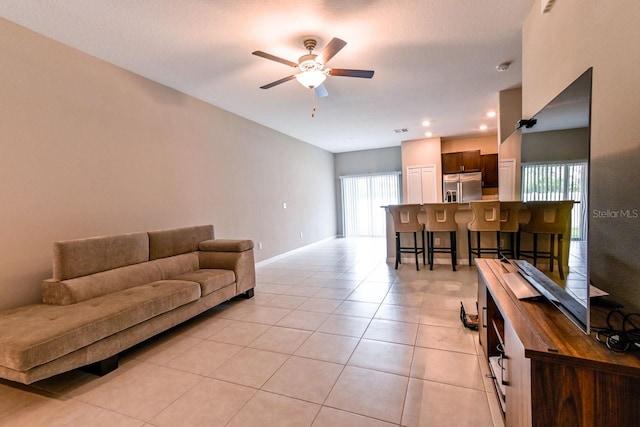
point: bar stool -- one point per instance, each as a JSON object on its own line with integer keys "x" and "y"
{"x": 440, "y": 217}
{"x": 486, "y": 217}
{"x": 552, "y": 218}
{"x": 405, "y": 220}
{"x": 509, "y": 215}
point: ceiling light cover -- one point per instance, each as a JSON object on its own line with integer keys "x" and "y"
{"x": 504, "y": 66}
{"x": 311, "y": 79}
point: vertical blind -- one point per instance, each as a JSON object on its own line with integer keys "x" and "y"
{"x": 559, "y": 181}
{"x": 362, "y": 198}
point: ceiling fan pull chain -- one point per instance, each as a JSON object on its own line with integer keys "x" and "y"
{"x": 313, "y": 110}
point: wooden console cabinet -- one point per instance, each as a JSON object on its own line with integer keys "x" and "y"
{"x": 551, "y": 373}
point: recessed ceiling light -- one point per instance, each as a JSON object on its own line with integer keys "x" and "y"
{"x": 504, "y": 66}
{"x": 491, "y": 114}
{"x": 426, "y": 123}
{"x": 428, "y": 134}
{"x": 483, "y": 127}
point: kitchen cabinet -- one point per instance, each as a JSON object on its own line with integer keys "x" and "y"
{"x": 462, "y": 161}
{"x": 546, "y": 372}
{"x": 489, "y": 168}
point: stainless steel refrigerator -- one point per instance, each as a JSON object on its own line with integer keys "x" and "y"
{"x": 462, "y": 187}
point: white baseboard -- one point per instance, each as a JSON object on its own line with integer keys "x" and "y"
{"x": 293, "y": 251}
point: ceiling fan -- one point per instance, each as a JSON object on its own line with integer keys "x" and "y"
{"x": 312, "y": 72}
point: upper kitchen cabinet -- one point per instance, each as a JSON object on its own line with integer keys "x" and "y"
{"x": 489, "y": 170}
{"x": 462, "y": 161}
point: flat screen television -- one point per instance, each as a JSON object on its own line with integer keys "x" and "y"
{"x": 555, "y": 150}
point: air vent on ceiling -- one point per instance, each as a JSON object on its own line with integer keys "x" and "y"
{"x": 403, "y": 130}
{"x": 547, "y": 5}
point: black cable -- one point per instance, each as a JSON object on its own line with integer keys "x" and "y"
{"x": 625, "y": 337}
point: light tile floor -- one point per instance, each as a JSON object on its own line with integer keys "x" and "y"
{"x": 333, "y": 337}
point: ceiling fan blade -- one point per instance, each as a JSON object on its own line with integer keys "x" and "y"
{"x": 277, "y": 82}
{"x": 274, "y": 58}
{"x": 330, "y": 50}
{"x": 321, "y": 91}
{"x": 365, "y": 74}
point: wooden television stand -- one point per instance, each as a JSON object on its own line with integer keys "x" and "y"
{"x": 548, "y": 372}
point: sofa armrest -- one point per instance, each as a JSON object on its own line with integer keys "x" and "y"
{"x": 235, "y": 255}
{"x": 54, "y": 293}
{"x": 225, "y": 245}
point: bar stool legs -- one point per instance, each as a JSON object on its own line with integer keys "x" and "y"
{"x": 551, "y": 255}
{"x": 414, "y": 250}
{"x": 512, "y": 250}
{"x": 453, "y": 249}
{"x": 478, "y": 250}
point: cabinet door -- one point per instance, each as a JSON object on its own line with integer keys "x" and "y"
{"x": 471, "y": 161}
{"x": 518, "y": 376}
{"x": 489, "y": 170}
{"x": 452, "y": 162}
{"x": 482, "y": 313}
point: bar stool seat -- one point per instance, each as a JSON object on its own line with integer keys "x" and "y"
{"x": 486, "y": 218}
{"x": 405, "y": 220}
{"x": 440, "y": 217}
{"x": 552, "y": 218}
{"x": 509, "y": 223}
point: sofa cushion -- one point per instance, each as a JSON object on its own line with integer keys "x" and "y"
{"x": 75, "y": 258}
{"x": 226, "y": 245}
{"x": 165, "y": 243}
{"x": 96, "y": 285}
{"x": 178, "y": 264}
{"x": 36, "y": 334}
{"x": 210, "y": 280}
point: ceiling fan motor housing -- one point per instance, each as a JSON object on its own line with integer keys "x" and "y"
{"x": 309, "y": 63}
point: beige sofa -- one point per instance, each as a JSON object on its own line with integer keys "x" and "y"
{"x": 110, "y": 293}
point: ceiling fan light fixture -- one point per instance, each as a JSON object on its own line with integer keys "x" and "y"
{"x": 311, "y": 79}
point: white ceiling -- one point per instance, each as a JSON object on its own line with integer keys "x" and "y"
{"x": 433, "y": 59}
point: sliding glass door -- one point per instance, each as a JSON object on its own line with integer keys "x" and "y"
{"x": 559, "y": 181}
{"x": 362, "y": 199}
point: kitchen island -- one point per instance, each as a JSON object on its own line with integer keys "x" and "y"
{"x": 463, "y": 217}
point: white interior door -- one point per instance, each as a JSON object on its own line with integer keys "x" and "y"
{"x": 414, "y": 186}
{"x": 429, "y": 184}
{"x": 421, "y": 184}
{"x": 507, "y": 180}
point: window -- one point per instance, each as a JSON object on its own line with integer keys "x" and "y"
{"x": 362, "y": 198}
{"x": 559, "y": 181}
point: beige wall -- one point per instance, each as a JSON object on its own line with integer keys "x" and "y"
{"x": 363, "y": 162}
{"x": 486, "y": 144}
{"x": 557, "y": 48}
{"x": 509, "y": 112}
{"x": 89, "y": 149}
{"x": 555, "y": 145}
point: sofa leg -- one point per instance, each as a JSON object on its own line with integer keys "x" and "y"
{"x": 102, "y": 367}
{"x": 249, "y": 294}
